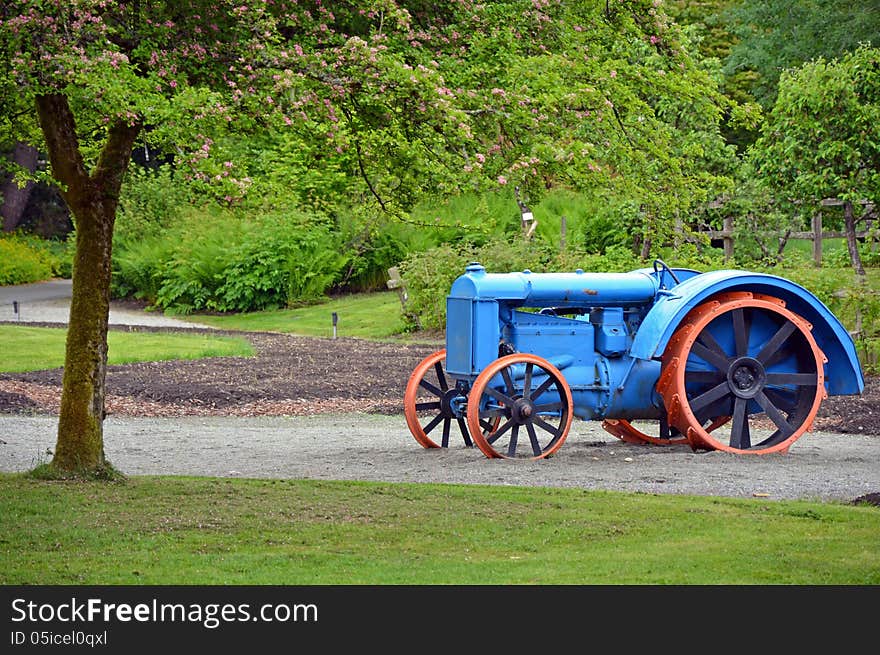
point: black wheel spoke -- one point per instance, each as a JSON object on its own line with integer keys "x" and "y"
{"x": 775, "y": 414}
{"x": 445, "y": 440}
{"x": 548, "y": 407}
{"x": 778, "y": 356}
{"x": 711, "y": 356}
{"x": 441, "y": 377}
{"x": 544, "y": 425}
{"x": 549, "y": 382}
{"x": 430, "y": 387}
{"x": 776, "y": 341}
{"x": 420, "y": 407}
{"x": 508, "y": 381}
{"x": 740, "y": 332}
{"x": 715, "y": 393}
{"x": 500, "y": 431}
{"x": 533, "y": 438}
{"x": 708, "y": 340}
{"x": 506, "y": 400}
{"x": 739, "y": 431}
{"x": 488, "y": 426}
{"x": 527, "y": 381}
{"x": 784, "y": 403}
{"x": 797, "y": 379}
{"x": 706, "y": 377}
{"x": 715, "y": 410}
{"x": 462, "y": 426}
{"x": 511, "y": 445}
{"x": 433, "y": 424}
{"x": 664, "y": 427}
{"x": 494, "y": 411}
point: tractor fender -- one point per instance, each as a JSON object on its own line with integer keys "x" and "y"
{"x": 843, "y": 371}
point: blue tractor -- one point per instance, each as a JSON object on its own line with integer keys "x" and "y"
{"x": 725, "y": 360}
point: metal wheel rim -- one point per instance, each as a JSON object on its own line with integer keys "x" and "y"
{"x": 523, "y": 413}
{"x": 768, "y": 365}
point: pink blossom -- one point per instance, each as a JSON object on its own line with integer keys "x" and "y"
{"x": 613, "y": 73}
{"x": 654, "y": 39}
{"x": 502, "y": 180}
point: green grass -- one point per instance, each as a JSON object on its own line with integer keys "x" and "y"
{"x": 366, "y": 316}
{"x": 170, "y": 530}
{"x": 32, "y": 348}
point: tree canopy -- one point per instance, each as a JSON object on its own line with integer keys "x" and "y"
{"x": 822, "y": 138}
{"x": 776, "y": 35}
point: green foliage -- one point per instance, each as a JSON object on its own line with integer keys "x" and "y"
{"x": 223, "y": 261}
{"x": 822, "y": 138}
{"x": 151, "y": 200}
{"x": 773, "y": 36}
{"x": 430, "y": 274}
{"x": 25, "y": 259}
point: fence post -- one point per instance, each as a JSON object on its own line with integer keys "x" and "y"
{"x": 817, "y": 239}
{"x": 728, "y": 238}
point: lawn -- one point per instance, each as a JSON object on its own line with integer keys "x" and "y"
{"x": 177, "y": 530}
{"x": 35, "y": 348}
{"x": 365, "y": 315}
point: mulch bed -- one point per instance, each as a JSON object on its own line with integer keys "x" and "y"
{"x": 293, "y": 375}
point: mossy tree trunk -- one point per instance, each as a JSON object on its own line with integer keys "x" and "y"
{"x": 92, "y": 200}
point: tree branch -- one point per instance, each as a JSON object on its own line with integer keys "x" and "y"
{"x": 114, "y": 159}
{"x": 59, "y": 130}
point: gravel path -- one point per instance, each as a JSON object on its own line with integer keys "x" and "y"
{"x": 819, "y": 466}
{"x": 49, "y": 302}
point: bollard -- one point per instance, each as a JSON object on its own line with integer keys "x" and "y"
{"x": 335, "y": 320}
{"x": 15, "y": 310}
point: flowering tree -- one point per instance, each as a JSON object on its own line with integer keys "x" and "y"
{"x": 403, "y": 98}
{"x": 88, "y": 79}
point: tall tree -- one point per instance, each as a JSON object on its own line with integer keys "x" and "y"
{"x": 14, "y": 194}
{"x": 822, "y": 138}
{"x": 776, "y": 35}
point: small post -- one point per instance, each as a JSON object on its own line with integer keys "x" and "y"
{"x": 527, "y": 219}
{"x": 817, "y": 239}
{"x": 728, "y": 238}
{"x": 15, "y": 310}
{"x": 335, "y": 321}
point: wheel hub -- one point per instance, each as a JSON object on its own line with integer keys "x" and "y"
{"x": 450, "y": 404}
{"x": 746, "y": 377}
{"x": 522, "y": 411}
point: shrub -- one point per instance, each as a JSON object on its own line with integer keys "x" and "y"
{"x": 22, "y": 262}
{"x": 224, "y": 261}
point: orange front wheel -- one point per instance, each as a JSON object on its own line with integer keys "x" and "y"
{"x": 528, "y": 402}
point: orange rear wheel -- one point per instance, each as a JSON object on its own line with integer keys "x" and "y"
{"x": 745, "y": 356}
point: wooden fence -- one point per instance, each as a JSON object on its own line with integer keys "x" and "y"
{"x": 816, "y": 234}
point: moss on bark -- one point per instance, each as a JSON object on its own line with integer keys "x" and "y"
{"x": 92, "y": 199}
